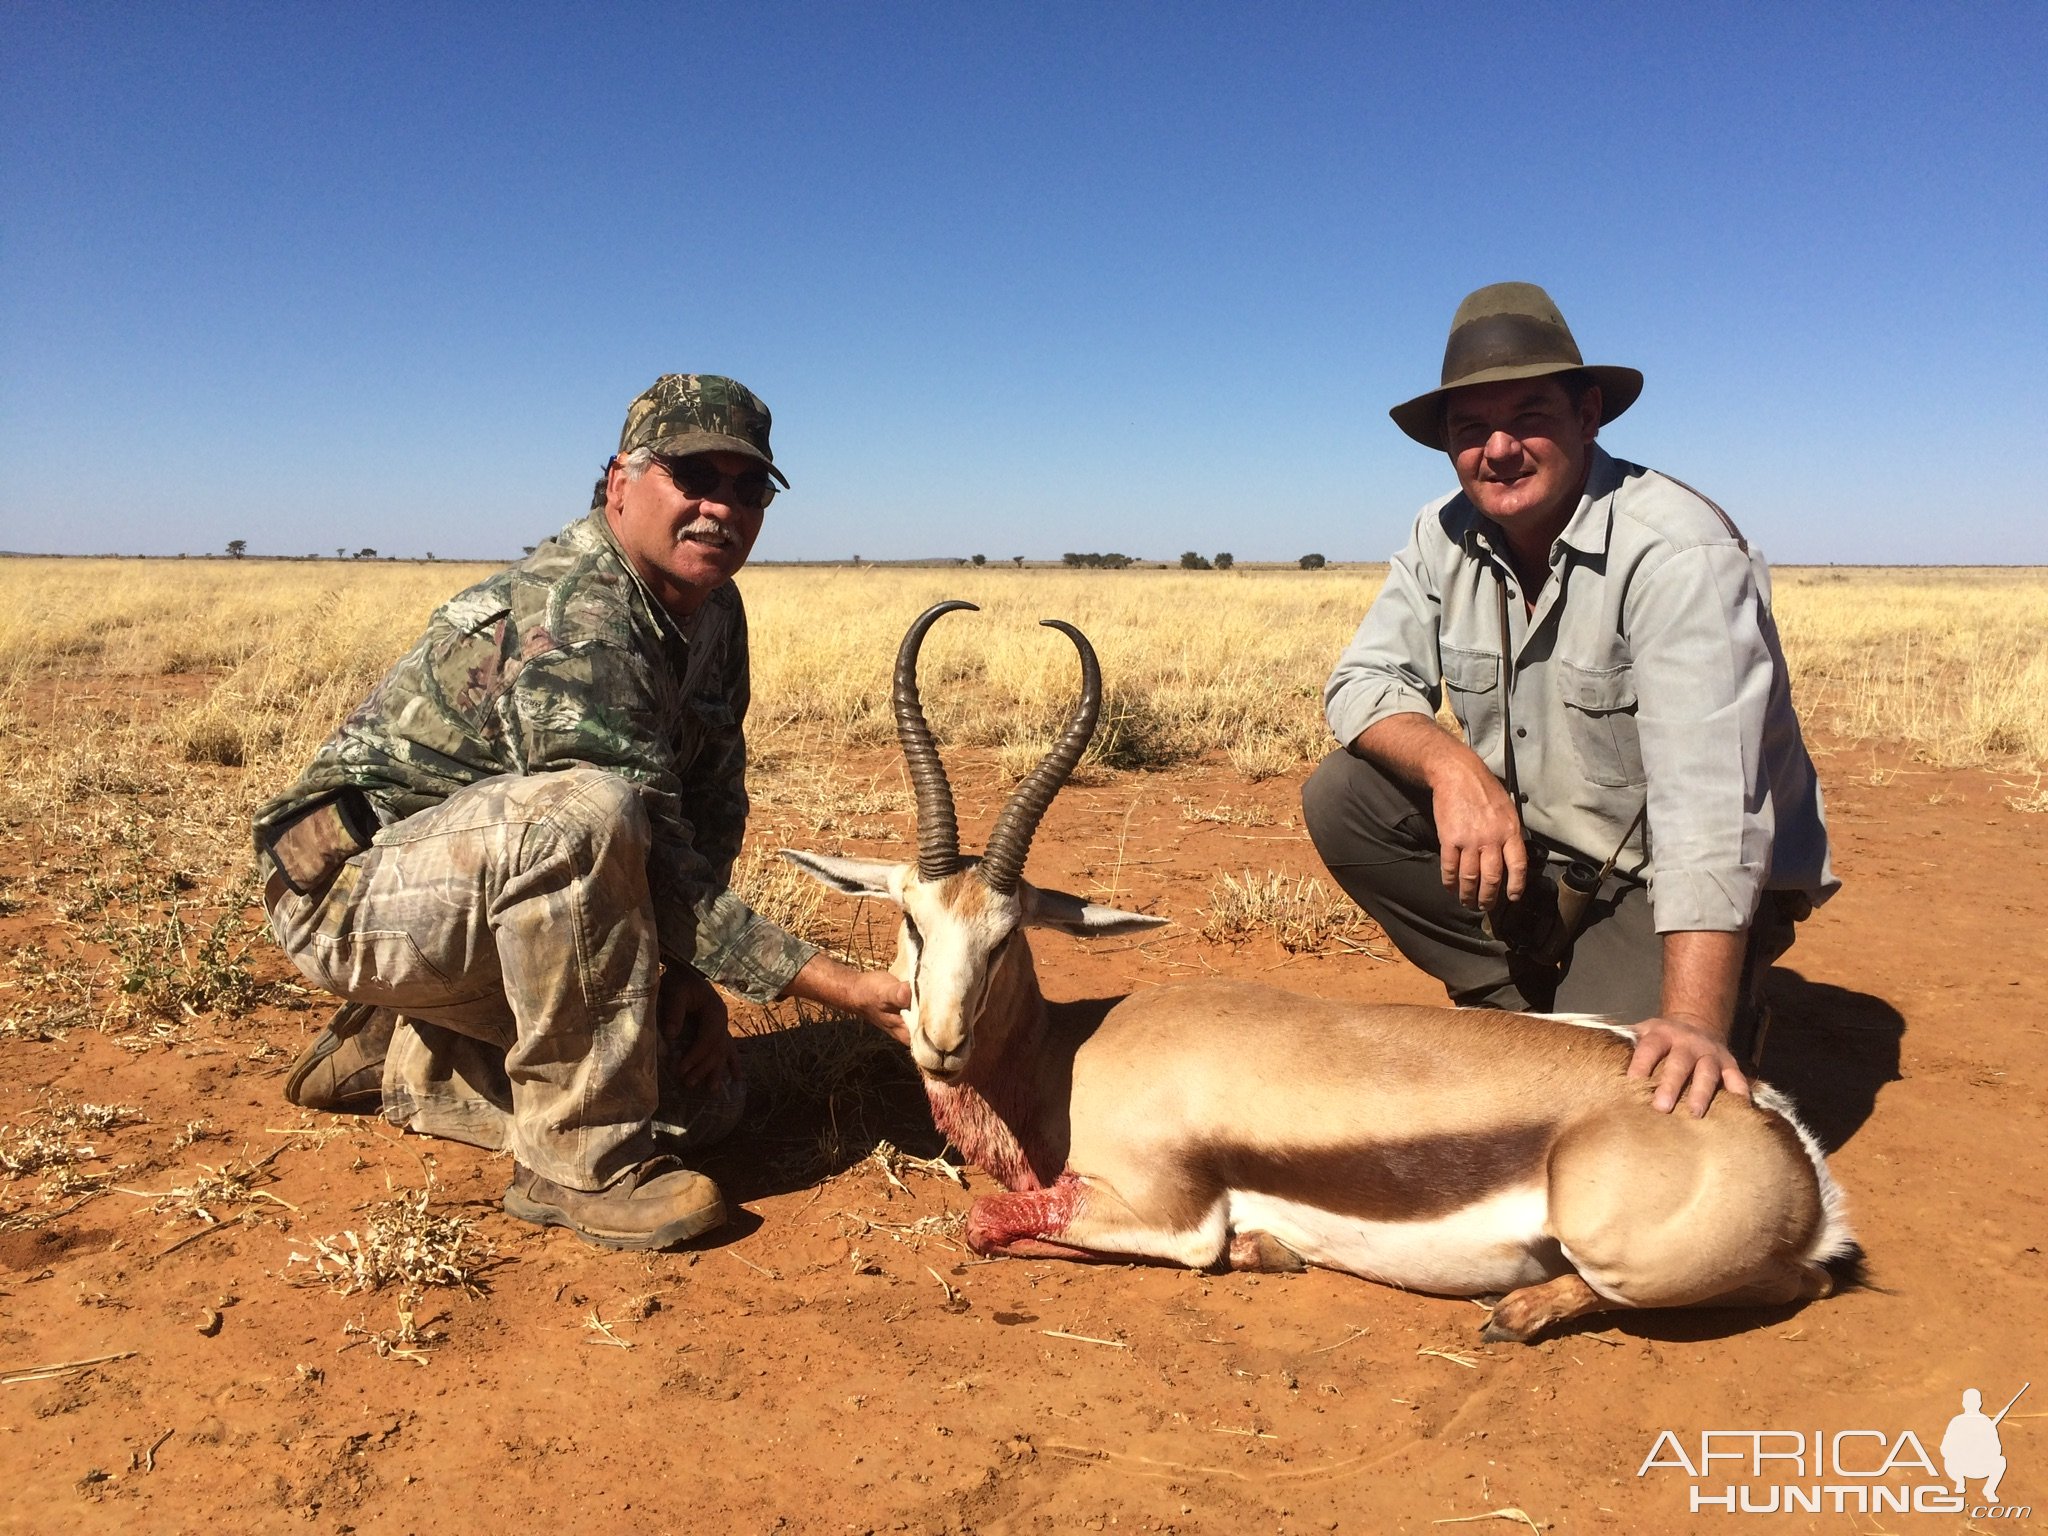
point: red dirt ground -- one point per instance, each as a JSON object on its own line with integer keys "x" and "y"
{"x": 779, "y": 1382}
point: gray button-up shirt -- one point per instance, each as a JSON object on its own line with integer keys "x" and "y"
{"x": 1650, "y": 666}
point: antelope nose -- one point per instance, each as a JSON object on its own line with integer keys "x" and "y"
{"x": 944, "y": 1065}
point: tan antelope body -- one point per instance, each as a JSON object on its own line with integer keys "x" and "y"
{"x": 1460, "y": 1152}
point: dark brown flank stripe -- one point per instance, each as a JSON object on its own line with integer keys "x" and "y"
{"x": 1418, "y": 1179}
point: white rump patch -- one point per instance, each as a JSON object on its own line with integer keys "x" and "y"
{"x": 1835, "y": 1237}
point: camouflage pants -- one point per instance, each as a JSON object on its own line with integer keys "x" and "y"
{"x": 512, "y": 927}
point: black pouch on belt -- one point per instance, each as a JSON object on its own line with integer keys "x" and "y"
{"x": 309, "y": 848}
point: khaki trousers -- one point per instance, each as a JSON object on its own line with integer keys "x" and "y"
{"x": 512, "y": 927}
{"x": 1378, "y": 838}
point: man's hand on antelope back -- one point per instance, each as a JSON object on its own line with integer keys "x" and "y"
{"x": 1688, "y": 1061}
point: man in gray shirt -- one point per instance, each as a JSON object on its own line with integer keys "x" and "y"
{"x": 1605, "y": 638}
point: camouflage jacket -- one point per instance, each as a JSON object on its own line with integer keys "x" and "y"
{"x": 566, "y": 659}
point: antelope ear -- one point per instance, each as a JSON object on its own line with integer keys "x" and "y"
{"x": 850, "y": 877}
{"x": 1083, "y": 919}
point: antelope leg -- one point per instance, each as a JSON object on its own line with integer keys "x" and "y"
{"x": 1525, "y": 1313}
{"x": 1045, "y": 1248}
{"x": 1026, "y": 1223}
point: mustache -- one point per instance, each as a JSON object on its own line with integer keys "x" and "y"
{"x": 704, "y": 528}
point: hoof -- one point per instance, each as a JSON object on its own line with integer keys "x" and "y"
{"x": 1263, "y": 1253}
{"x": 1499, "y": 1333}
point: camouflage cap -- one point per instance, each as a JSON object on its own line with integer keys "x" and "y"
{"x": 699, "y": 413}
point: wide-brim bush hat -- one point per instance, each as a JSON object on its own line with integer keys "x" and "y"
{"x": 1510, "y": 331}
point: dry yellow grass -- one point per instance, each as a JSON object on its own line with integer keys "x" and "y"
{"x": 1192, "y": 662}
{"x": 1953, "y": 663}
{"x": 1302, "y": 913}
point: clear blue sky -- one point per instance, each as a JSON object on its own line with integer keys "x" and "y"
{"x": 1014, "y": 279}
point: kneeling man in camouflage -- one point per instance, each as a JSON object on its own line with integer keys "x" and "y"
{"x": 512, "y": 859}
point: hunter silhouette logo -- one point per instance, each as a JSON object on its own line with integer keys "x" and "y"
{"x": 1970, "y": 1447}
{"x": 1848, "y": 1471}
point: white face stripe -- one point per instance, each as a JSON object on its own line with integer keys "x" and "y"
{"x": 960, "y": 933}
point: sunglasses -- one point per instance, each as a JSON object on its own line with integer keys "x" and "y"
{"x": 700, "y": 479}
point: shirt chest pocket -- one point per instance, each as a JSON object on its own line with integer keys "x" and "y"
{"x": 1600, "y": 716}
{"x": 1472, "y": 681}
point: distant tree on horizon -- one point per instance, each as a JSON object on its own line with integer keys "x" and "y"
{"x": 366, "y": 553}
{"x": 238, "y": 547}
{"x": 1313, "y": 562}
{"x": 981, "y": 559}
{"x": 1018, "y": 561}
{"x": 1190, "y": 561}
{"x": 1225, "y": 560}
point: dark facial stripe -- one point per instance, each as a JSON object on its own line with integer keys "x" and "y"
{"x": 1416, "y": 1179}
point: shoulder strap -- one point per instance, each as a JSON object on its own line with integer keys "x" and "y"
{"x": 1714, "y": 506}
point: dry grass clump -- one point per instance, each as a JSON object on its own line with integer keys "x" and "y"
{"x": 52, "y": 1141}
{"x": 402, "y": 1243}
{"x": 1264, "y": 752}
{"x": 407, "y": 1339}
{"x": 215, "y": 1189}
{"x": 2033, "y": 798}
{"x": 218, "y": 735}
{"x": 1299, "y": 912}
{"x": 144, "y": 866}
{"x": 52, "y": 1136}
{"x": 892, "y": 1162}
{"x": 805, "y": 1061}
{"x": 55, "y": 995}
{"x": 798, "y": 1056}
{"x": 1227, "y": 815}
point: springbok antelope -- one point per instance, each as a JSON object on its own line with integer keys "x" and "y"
{"x": 1459, "y": 1152}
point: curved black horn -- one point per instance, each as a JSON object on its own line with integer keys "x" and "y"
{"x": 1003, "y": 864}
{"x": 938, "y": 830}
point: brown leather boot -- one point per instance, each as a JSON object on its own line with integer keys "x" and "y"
{"x": 342, "y": 1071}
{"x": 659, "y": 1204}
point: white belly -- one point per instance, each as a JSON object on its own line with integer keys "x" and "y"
{"x": 1495, "y": 1244}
